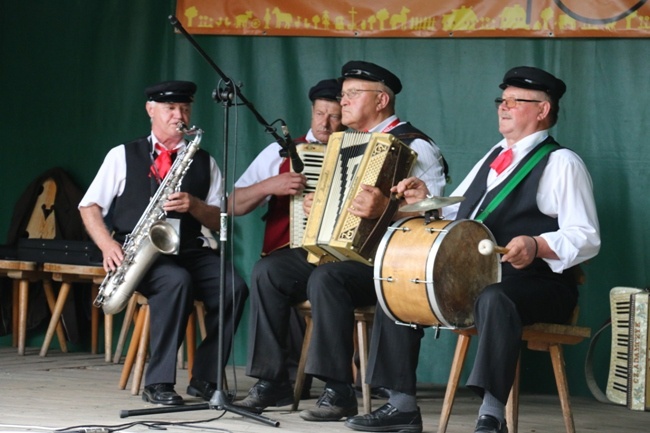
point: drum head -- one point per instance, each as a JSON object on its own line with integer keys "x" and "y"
{"x": 459, "y": 272}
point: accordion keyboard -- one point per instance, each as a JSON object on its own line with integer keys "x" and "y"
{"x": 312, "y": 156}
{"x": 629, "y": 373}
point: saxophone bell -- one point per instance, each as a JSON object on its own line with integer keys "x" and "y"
{"x": 161, "y": 239}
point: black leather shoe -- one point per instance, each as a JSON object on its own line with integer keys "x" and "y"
{"x": 332, "y": 406}
{"x": 387, "y": 418}
{"x": 489, "y": 424}
{"x": 161, "y": 393}
{"x": 264, "y": 394}
{"x": 201, "y": 388}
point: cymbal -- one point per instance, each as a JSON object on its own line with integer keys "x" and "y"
{"x": 431, "y": 203}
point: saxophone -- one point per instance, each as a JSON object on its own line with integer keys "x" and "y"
{"x": 151, "y": 236}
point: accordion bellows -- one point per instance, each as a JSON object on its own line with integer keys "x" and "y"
{"x": 351, "y": 159}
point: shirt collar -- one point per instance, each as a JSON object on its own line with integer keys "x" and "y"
{"x": 153, "y": 140}
{"x": 526, "y": 144}
{"x": 310, "y": 137}
{"x": 380, "y": 127}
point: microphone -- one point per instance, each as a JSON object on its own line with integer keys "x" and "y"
{"x": 296, "y": 162}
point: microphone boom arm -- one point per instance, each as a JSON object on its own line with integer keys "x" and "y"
{"x": 287, "y": 144}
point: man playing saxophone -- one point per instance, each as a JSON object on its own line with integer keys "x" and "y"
{"x": 112, "y": 208}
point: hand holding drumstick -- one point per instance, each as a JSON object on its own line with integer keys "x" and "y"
{"x": 520, "y": 251}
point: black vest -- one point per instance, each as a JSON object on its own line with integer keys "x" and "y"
{"x": 518, "y": 213}
{"x": 140, "y": 187}
{"x": 407, "y": 133}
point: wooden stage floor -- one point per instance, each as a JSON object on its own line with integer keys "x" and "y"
{"x": 80, "y": 390}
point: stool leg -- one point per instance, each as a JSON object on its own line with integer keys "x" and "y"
{"x": 94, "y": 324}
{"x": 454, "y": 377}
{"x": 51, "y": 302}
{"x": 23, "y": 297}
{"x": 300, "y": 374}
{"x": 362, "y": 335}
{"x": 15, "y": 313}
{"x": 557, "y": 358}
{"x": 108, "y": 337}
{"x": 133, "y": 349}
{"x": 190, "y": 342}
{"x": 200, "y": 315}
{"x": 141, "y": 357}
{"x": 512, "y": 407}
{"x": 56, "y": 316}
{"x": 126, "y": 323}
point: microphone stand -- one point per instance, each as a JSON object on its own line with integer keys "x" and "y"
{"x": 220, "y": 400}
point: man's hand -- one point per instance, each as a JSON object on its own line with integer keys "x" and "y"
{"x": 369, "y": 203}
{"x": 307, "y": 203}
{"x": 412, "y": 189}
{"x": 180, "y": 202}
{"x": 112, "y": 255}
{"x": 286, "y": 184}
{"x": 521, "y": 251}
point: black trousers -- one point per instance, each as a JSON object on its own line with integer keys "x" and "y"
{"x": 335, "y": 290}
{"x": 278, "y": 282}
{"x": 500, "y": 312}
{"x": 171, "y": 286}
{"x": 285, "y": 278}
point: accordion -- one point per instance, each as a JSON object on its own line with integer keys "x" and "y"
{"x": 312, "y": 155}
{"x": 628, "y": 382}
{"x": 351, "y": 159}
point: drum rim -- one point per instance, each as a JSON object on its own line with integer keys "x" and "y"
{"x": 379, "y": 258}
{"x": 433, "y": 253}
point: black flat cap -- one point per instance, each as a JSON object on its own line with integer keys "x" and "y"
{"x": 325, "y": 89}
{"x": 528, "y": 77}
{"x": 171, "y": 91}
{"x": 371, "y": 72}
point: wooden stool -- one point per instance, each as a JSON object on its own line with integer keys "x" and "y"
{"x": 139, "y": 346}
{"x": 68, "y": 275}
{"x": 362, "y": 316}
{"x": 22, "y": 273}
{"x": 548, "y": 337}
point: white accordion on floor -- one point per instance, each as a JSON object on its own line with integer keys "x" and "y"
{"x": 629, "y": 372}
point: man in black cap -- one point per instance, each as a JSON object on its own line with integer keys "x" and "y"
{"x": 548, "y": 223}
{"x": 276, "y": 328}
{"x": 129, "y": 176}
{"x": 334, "y": 289}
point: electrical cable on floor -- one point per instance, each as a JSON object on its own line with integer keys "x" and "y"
{"x": 154, "y": 425}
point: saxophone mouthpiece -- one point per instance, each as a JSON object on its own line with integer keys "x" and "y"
{"x": 181, "y": 127}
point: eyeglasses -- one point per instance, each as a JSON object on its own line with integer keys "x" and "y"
{"x": 354, "y": 93}
{"x": 512, "y": 102}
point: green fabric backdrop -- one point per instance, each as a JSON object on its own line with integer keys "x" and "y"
{"x": 73, "y": 74}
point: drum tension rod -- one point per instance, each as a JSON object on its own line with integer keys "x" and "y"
{"x": 436, "y": 332}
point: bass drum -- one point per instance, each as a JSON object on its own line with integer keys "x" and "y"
{"x": 430, "y": 274}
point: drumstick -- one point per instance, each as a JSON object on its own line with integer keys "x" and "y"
{"x": 487, "y": 247}
{"x": 400, "y": 195}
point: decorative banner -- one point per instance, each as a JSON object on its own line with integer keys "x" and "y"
{"x": 421, "y": 19}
